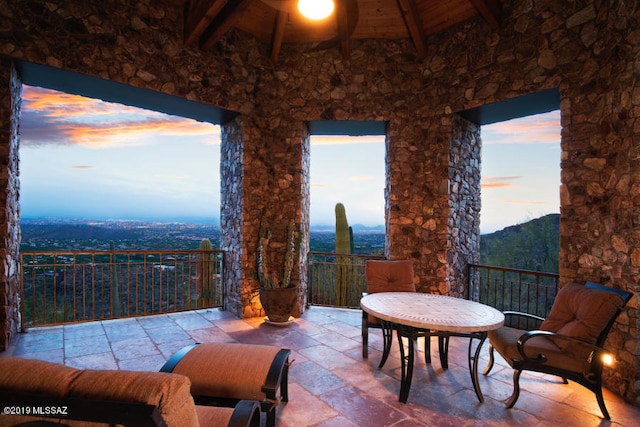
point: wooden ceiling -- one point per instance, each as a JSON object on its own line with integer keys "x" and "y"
{"x": 278, "y": 21}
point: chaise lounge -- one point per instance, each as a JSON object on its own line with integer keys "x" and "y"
{"x": 222, "y": 374}
{"x": 39, "y": 393}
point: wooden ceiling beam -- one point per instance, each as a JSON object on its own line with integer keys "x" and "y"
{"x": 226, "y": 19}
{"x": 342, "y": 19}
{"x": 278, "y": 33}
{"x": 199, "y": 16}
{"x": 414, "y": 25}
{"x": 489, "y": 10}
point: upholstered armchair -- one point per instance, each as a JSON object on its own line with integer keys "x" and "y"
{"x": 568, "y": 343}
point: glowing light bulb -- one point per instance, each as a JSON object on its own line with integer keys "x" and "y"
{"x": 315, "y": 9}
{"x": 607, "y": 359}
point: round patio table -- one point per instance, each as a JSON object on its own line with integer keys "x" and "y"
{"x": 411, "y": 313}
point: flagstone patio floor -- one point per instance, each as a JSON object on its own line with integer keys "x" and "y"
{"x": 329, "y": 383}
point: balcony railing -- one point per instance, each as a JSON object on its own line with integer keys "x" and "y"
{"x": 509, "y": 289}
{"x": 336, "y": 280}
{"x": 62, "y": 287}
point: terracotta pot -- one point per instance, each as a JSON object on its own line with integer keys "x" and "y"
{"x": 279, "y": 303}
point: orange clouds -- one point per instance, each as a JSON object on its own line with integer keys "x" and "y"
{"x": 498, "y": 181}
{"x": 541, "y": 128}
{"x": 52, "y": 117}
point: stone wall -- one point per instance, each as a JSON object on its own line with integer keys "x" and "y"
{"x": 10, "y": 102}
{"x": 586, "y": 48}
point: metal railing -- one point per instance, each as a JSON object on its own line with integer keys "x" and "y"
{"x": 509, "y": 289}
{"x": 62, "y": 287}
{"x": 336, "y": 280}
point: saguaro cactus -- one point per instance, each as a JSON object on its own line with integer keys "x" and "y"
{"x": 205, "y": 273}
{"x": 343, "y": 235}
{"x": 343, "y": 246}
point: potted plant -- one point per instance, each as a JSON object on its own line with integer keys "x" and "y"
{"x": 278, "y": 295}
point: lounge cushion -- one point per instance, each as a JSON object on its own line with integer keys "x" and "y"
{"x": 36, "y": 376}
{"x": 505, "y": 339}
{"x": 581, "y": 313}
{"x": 170, "y": 393}
{"x": 229, "y": 370}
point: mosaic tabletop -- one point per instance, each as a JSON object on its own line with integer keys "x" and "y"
{"x": 429, "y": 311}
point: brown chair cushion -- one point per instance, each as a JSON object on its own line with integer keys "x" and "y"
{"x": 581, "y": 313}
{"x": 170, "y": 393}
{"x": 36, "y": 376}
{"x": 505, "y": 340}
{"x": 214, "y": 415}
{"x": 228, "y": 370}
{"x": 389, "y": 276}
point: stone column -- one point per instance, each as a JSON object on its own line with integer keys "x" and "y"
{"x": 264, "y": 171}
{"x": 464, "y": 202}
{"x": 432, "y": 198}
{"x": 10, "y": 101}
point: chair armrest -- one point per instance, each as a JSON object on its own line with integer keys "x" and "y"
{"x": 523, "y": 320}
{"x": 594, "y": 358}
{"x": 521, "y": 314}
{"x": 246, "y": 413}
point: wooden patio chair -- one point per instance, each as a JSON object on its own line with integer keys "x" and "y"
{"x": 569, "y": 342}
{"x": 389, "y": 276}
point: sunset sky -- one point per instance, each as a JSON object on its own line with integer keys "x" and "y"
{"x": 85, "y": 158}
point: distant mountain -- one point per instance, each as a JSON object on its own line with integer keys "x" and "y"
{"x": 533, "y": 245}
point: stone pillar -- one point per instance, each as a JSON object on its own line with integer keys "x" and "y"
{"x": 433, "y": 199}
{"x": 600, "y": 180}
{"x": 464, "y": 202}
{"x": 264, "y": 169}
{"x": 10, "y": 101}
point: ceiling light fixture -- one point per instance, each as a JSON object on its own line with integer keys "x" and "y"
{"x": 315, "y": 9}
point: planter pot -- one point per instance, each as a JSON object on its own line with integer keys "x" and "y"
{"x": 279, "y": 303}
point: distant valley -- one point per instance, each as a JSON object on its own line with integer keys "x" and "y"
{"x": 533, "y": 245}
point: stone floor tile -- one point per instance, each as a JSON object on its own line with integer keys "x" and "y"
{"x": 124, "y": 331}
{"x": 168, "y": 349}
{"x": 31, "y": 343}
{"x": 304, "y": 409}
{"x": 344, "y": 329}
{"x": 85, "y": 345}
{"x": 314, "y": 378}
{"x": 85, "y": 329}
{"x": 151, "y": 363}
{"x": 55, "y": 356}
{"x": 362, "y": 409}
{"x": 168, "y": 334}
{"x": 327, "y": 356}
{"x": 209, "y": 335}
{"x": 338, "y": 342}
{"x": 157, "y": 321}
{"x": 93, "y": 361}
{"x": 190, "y": 321}
{"x": 134, "y": 348}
